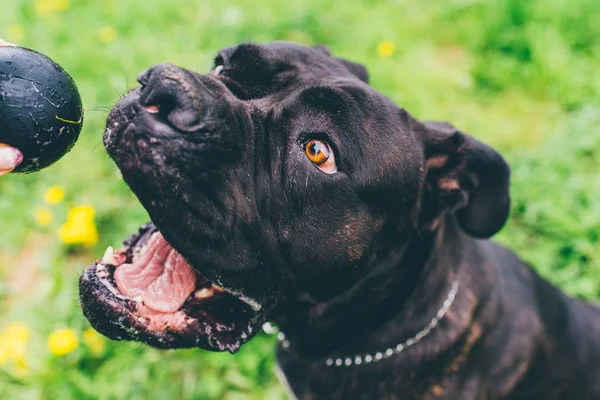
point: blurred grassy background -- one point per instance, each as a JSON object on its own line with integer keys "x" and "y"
{"x": 523, "y": 76}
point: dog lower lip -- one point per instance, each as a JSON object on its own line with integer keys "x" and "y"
{"x": 210, "y": 317}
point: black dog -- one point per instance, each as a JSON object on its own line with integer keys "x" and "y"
{"x": 300, "y": 195}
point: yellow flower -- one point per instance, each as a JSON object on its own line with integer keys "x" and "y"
{"x": 21, "y": 368}
{"x": 61, "y": 5}
{"x": 107, "y": 34}
{"x": 94, "y": 341}
{"x": 45, "y": 7}
{"x": 17, "y": 330}
{"x": 3, "y": 350}
{"x": 386, "y": 48}
{"x": 62, "y": 341}
{"x": 54, "y": 195}
{"x": 13, "y": 344}
{"x": 79, "y": 227}
{"x": 43, "y": 217}
{"x": 16, "y": 33}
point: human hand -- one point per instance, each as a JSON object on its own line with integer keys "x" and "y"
{"x": 5, "y": 43}
{"x": 10, "y": 157}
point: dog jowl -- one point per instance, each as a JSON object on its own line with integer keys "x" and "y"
{"x": 282, "y": 187}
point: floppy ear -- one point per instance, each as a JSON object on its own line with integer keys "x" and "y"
{"x": 466, "y": 176}
{"x": 355, "y": 69}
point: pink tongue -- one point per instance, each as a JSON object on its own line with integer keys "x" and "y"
{"x": 160, "y": 276}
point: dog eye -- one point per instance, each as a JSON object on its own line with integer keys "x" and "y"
{"x": 320, "y": 153}
{"x": 217, "y": 70}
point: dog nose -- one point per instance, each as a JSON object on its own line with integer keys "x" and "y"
{"x": 174, "y": 94}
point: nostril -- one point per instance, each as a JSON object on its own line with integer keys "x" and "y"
{"x": 174, "y": 95}
{"x": 175, "y": 108}
{"x": 162, "y": 113}
{"x": 156, "y": 100}
{"x": 152, "y": 109}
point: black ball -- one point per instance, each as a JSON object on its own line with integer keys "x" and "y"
{"x": 40, "y": 108}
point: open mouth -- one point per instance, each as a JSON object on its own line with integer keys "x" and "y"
{"x": 146, "y": 291}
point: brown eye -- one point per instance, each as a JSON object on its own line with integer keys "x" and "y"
{"x": 321, "y": 155}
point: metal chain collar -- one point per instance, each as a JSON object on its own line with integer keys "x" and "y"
{"x": 359, "y": 359}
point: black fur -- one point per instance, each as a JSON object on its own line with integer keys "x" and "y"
{"x": 360, "y": 260}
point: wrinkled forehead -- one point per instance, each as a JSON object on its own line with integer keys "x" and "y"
{"x": 281, "y": 62}
{"x": 306, "y": 89}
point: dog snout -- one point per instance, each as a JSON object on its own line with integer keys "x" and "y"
{"x": 175, "y": 95}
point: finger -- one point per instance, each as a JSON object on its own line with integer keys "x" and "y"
{"x": 5, "y": 43}
{"x": 10, "y": 157}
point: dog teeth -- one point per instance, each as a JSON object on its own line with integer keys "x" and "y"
{"x": 109, "y": 257}
{"x": 204, "y": 293}
{"x": 138, "y": 299}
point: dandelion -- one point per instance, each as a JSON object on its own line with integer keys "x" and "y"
{"x": 16, "y": 33}
{"x": 45, "y": 7}
{"x": 13, "y": 346}
{"x": 21, "y": 368}
{"x": 94, "y": 341}
{"x": 4, "y": 358}
{"x": 79, "y": 227}
{"x": 54, "y": 195}
{"x": 43, "y": 217}
{"x": 62, "y": 341}
{"x": 61, "y": 5}
{"x": 385, "y": 48}
{"x": 16, "y": 335}
{"x": 107, "y": 34}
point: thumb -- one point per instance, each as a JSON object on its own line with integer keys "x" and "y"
{"x": 4, "y": 43}
{"x": 9, "y": 158}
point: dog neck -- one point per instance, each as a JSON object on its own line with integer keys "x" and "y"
{"x": 399, "y": 303}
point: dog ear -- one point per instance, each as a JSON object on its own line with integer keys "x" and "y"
{"x": 466, "y": 176}
{"x": 355, "y": 69}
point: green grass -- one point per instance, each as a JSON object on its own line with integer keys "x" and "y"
{"x": 523, "y": 76}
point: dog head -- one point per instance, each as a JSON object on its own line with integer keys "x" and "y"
{"x": 279, "y": 174}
